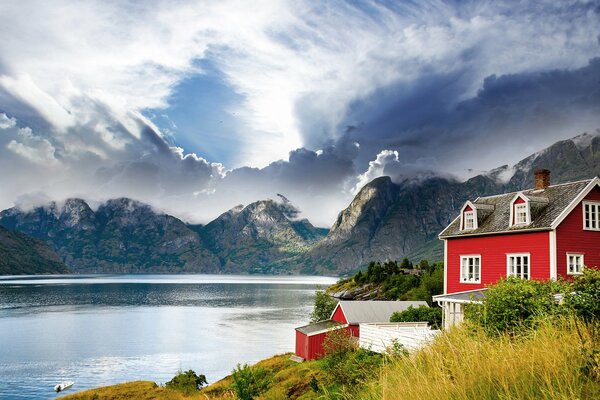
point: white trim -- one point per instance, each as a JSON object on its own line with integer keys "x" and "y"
{"x": 582, "y": 255}
{"x": 595, "y": 204}
{"x": 593, "y": 183}
{"x": 467, "y": 256}
{"x": 553, "y": 267}
{"x": 513, "y": 218}
{"x": 521, "y": 255}
{"x": 462, "y": 219}
{"x": 461, "y": 292}
{"x": 445, "y": 265}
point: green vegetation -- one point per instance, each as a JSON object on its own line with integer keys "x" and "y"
{"x": 514, "y": 305}
{"x": 249, "y": 382}
{"x": 187, "y": 382}
{"x": 432, "y": 315}
{"x": 395, "y": 280}
{"x": 324, "y": 306}
{"x": 520, "y": 343}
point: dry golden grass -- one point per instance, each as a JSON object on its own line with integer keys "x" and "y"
{"x": 290, "y": 380}
{"x": 139, "y": 390}
{"x": 463, "y": 364}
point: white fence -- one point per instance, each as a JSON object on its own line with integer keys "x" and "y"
{"x": 411, "y": 335}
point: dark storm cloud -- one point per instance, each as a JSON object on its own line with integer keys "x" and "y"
{"x": 514, "y": 114}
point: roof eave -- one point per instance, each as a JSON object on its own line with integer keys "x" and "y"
{"x": 547, "y": 228}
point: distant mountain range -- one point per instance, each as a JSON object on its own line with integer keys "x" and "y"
{"x": 385, "y": 221}
{"x": 126, "y": 236}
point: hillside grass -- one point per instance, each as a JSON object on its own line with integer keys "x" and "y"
{"x": 465, "y": 363}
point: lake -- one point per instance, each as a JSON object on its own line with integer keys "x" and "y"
{"x": 102, "y": 330}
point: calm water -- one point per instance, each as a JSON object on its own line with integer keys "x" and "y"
{"x": 100, "y": 330}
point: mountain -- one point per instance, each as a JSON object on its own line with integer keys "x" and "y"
{"x": 122, "y": 235}
{"x": 126, "y": 236}
{"x": 22, "y": 254}
{"x": 390, "y": 221}
{"x": 249, "y": 239}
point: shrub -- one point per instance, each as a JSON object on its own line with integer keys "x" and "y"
{"x": 324, "y": 306}
{"x": 432, "y": 315}
{"x": 514, "y": 304}
{"x": 345, "y": 363}
{"x": 249, "y": 382}
{"x": 584, "y": 296}
{"x": 187, "y": 382}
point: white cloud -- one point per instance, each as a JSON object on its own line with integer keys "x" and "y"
{"x": 6, "y": 122}
{"x": 34, "y": 148}
{"x": 383, "y": 164}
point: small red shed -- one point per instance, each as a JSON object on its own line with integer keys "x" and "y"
{"x": 346, "y": 315}
{"x": 310, "y": 338}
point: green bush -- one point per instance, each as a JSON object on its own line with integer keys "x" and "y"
{"x": 432, "y": 315}
{"x": 187, "y": 382}
{"x": 514, "y": 304}
{"x": 584, "y": 296}
{"x": 345, "y": 363}
{"x": 249, "y": 382}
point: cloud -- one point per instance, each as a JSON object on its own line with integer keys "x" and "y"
{"x": 6, "y": 122}
{"x": 328, "y": 95}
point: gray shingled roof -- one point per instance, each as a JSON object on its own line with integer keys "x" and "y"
{"x": 311, "y": 329}
{"x": 546, "y": 205}
{"x": 358, "y": 312}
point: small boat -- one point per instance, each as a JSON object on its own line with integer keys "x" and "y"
{"x": 63, "y": 386}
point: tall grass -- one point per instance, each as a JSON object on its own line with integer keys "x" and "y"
{"x": 466, "y": 364}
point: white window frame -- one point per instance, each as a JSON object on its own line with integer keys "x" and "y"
{"x": 581, "y": 265}
{"x": 591, "y": 208}
{"x": 469, "y": 216}
{"x": 464, "y": 274}
{"x": 521, "y": 208}
{"x": 513, "y": 210}
{"x": 509, "y": 256}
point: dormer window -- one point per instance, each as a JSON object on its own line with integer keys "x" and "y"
{"x": 468, "y": 217}
{"x": 520, "y": 214}
{"x": 520, "y": 210}
{"x": 469, "y": 220}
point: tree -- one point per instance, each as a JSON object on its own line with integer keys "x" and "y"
{"x": 187, "y": 382}
{"x": 324, "y": 305}
{"x": 406, "y": 264}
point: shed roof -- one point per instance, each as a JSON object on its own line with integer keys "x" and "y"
{"x": 319, "y": 327}
{"x": 357, "y": 312}
{"x": 550, "y": 205}
{"x": 469, "y": 296}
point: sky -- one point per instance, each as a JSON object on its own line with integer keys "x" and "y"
{"x": 197, "y": 106}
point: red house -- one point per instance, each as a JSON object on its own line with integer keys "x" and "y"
{"x": 346, "y": 315}
{"x": 543, "y": 233}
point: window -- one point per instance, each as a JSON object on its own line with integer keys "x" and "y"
{"x": 469, "y": 220}
{"x": 591, "y": 216}
{"x": 574, "y": 264}
{"x": 470, "y": 269}
{"x": 517, "y": 265}
{"x": 521, "y": 214}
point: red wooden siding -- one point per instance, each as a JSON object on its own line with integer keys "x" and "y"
{"x": 468, "y": 208}
{"x": 301, "y": 344}
{"x": 311, "y": 347}
{"x": 572, "y": 238}
{"x": 493, "y": 250}
{"x": 338, "y": 315}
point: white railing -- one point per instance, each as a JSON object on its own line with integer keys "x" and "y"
{"x": 411, "y": 335}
